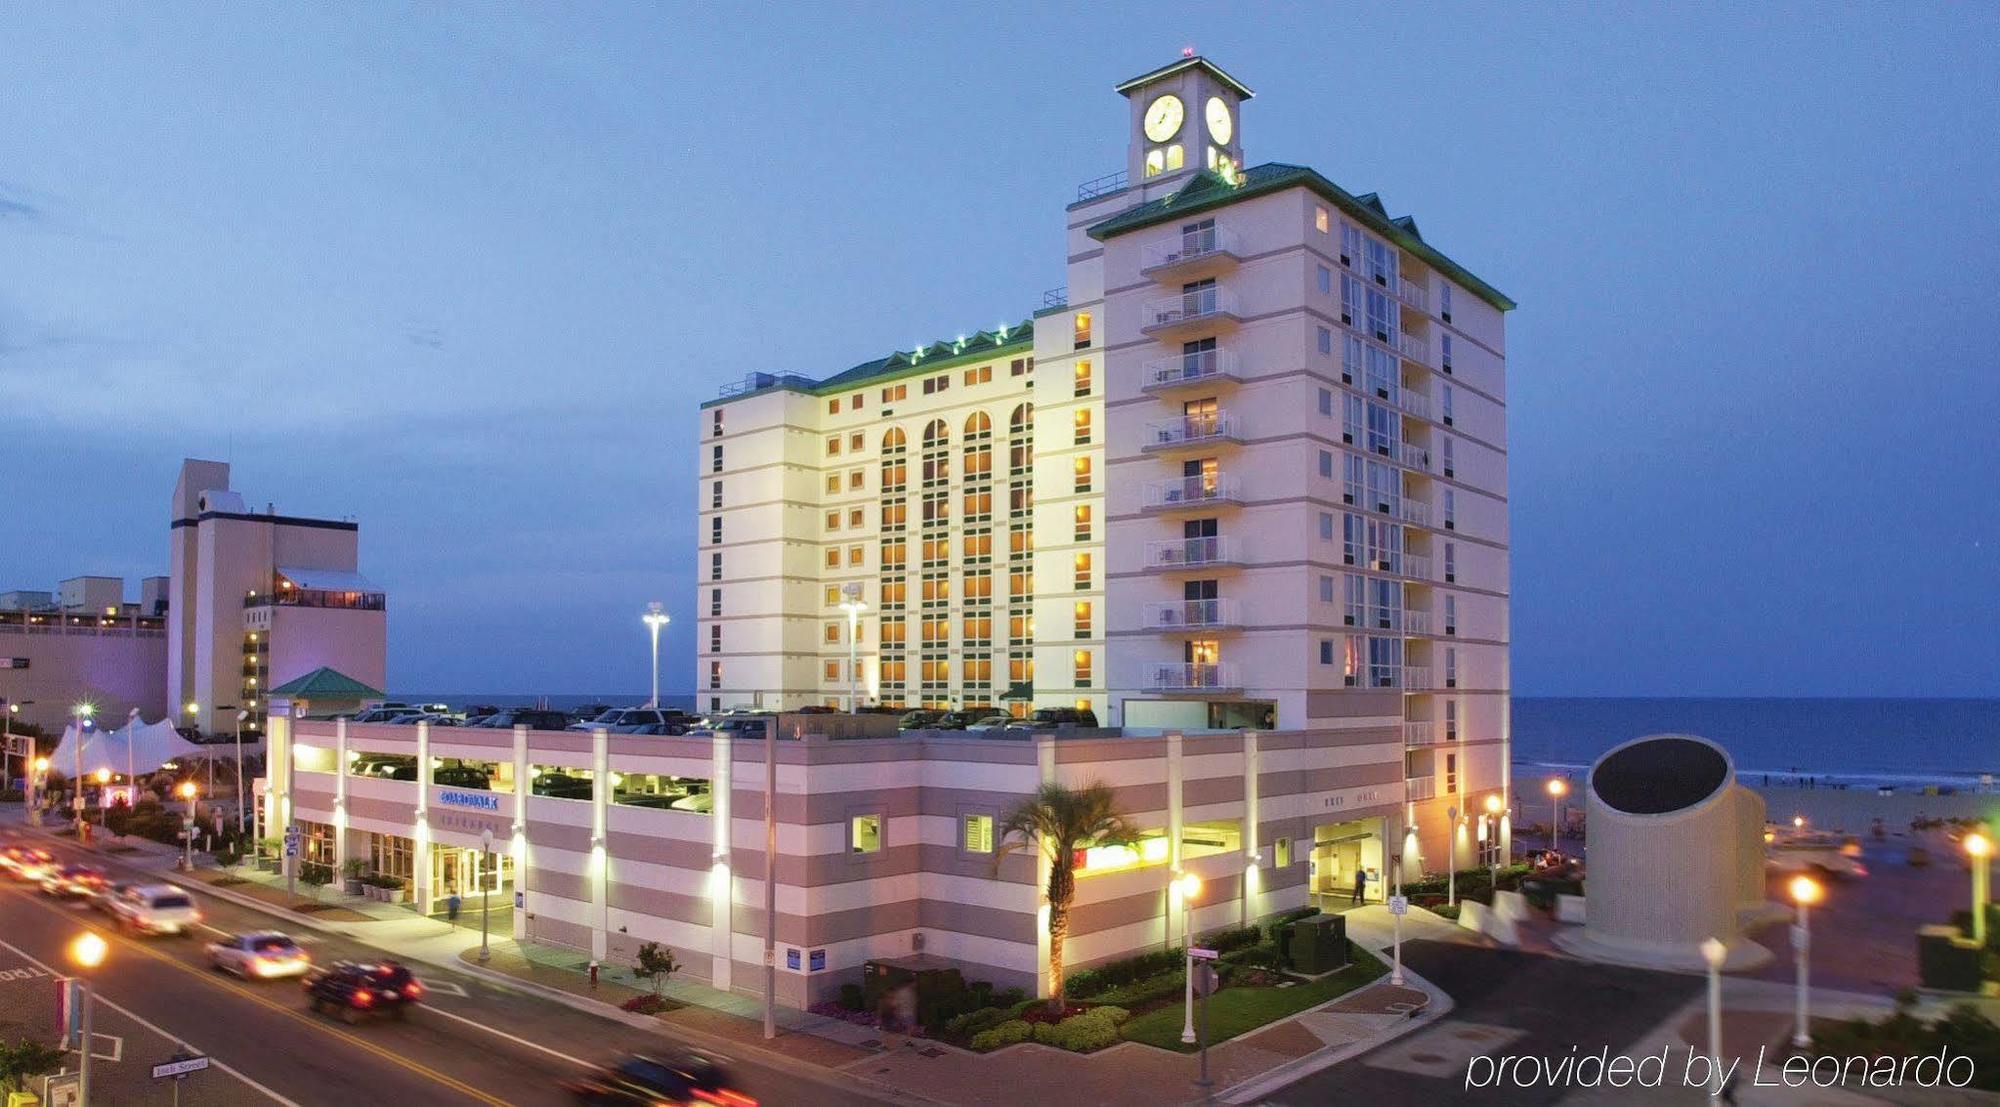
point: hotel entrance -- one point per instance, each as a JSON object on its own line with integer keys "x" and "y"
{"x": 1339, "y": 852}
{"x": 467, "y": 872}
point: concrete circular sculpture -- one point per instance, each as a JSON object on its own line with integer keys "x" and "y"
{"x": 1676, "y": 857}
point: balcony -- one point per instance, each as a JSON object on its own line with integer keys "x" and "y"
{"x": 1413, "y": 294}
{"x": 1191, "y": 432}
{"x": 1190, "y": 494}
{"x": 1412, "y": 402}
{"x": 1184, "y": 615}
{"x": 1412, "y": 456}
{"x": 1419, "y": 788}
{"x": 1414, "y": 348}
{"x": 1204, "y": 369}
{"x": 1416, "y": 678}
{"x": 1411, "y": 567}
{"x": 1200, "y": 312}
{"x": 1190, "y": 256}
{"x": 1415, "y": 512}
{"x": 1420, "y": 732}
{"x": 1191, "y": 553}
{"x": 315, "y": 597}
{"x": 1181, "y": 678}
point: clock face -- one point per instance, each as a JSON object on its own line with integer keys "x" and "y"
{"x": 1220, "y": 126}
{"x": 1163, "y": 118}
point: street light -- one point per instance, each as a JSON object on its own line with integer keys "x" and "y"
{"x": 188, "y": 792}
{"x": 241, "y": 813}
{"x": 851, "y": 603}
{"x": 82, "y": 711}
{"x": 1979, "y": 847}
{"x": 131, "y": 774}
{"x": 87, "y": 951}
{"x": 1714, "y": 952}
{"x": 1493, "y": 806}
{"x": 655, "y": 617}
{"x": 485, "y": 887}
{"x": 1451, "y": 856}
{"x": 1189, "y": 886}
{"x": 26, "y": 745}
{"x": 1557, "y": 788}
{"x": 1805, "y": 892}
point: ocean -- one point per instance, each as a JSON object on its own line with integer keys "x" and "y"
{"x": 1889, "y": 741}
{"x": 1899, "y": 741}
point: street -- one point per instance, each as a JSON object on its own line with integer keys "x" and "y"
{"x": 472, "y": 1041}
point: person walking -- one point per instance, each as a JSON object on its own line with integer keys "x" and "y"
{"x": 1360, "y": 884}
{"x": 451, "y": 904}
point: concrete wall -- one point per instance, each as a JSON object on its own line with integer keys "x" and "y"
{"x": 116, "y": 669}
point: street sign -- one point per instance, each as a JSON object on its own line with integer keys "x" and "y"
{"x": 64, "y": 1090}
{"x": 1201, "y": 954}
{"x": 1205, "y": 979}
{"x": 179, "y": 1066}
{"x": 1399, "y": 905}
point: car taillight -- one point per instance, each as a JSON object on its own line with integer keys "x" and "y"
{"x": 363, "y": 997}
{"x": 724, "y": 1097}
{"x": 412, "y": 990}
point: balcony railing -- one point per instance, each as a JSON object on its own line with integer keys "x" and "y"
{"x": 1413, "y": 511}
{"x": 1414, "y": 348}
{"x": 1419, "y": 788}
{"x": 1056, "y": 297}
{"x": 1414, "y": 295}
{"x": 1101, "y": 186}
{"x": 1190, "y": 677}
{"x": 1420, "y": 732}
{"x": 1191, "y": 246}
{"x": 1415, "y": 678}
{"x": 1186, "y": 369}
{"x": 1415, "y": 403}
{"x": 1190, "y": 615}
{"x": 1414, "y": 456}
{"x": 1190, "y": 492}
{"x": 314, "y": 597}
{"x": 1191, "y": 430}
{"x": 759, "y": 381}
{"x": 1190, "y": 553}
{"x": 1198, "y": 306}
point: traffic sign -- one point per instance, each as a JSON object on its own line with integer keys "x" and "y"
{"x": 1399, "y": 905}
{"x": 179, "y": 1066}
{"x": 1201, "y": 954}
{"x": 1205, "y": 980}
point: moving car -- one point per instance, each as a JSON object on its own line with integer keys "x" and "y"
{"x": 356, "y": 989}
{"x": 262, "y": 954}
{"x": 154, "y": 909}
{"x": 74, "y": 881}
{"x": 645, "y": 1081}
{"x": 26, "y": 862}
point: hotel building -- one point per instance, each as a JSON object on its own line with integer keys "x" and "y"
{"x": 1248, "y": 469}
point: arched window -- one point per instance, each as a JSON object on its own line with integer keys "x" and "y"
{"x": 937, "y": 434}
{"x": 893, "y": 440}
{"x": 1022, "y": 416}
{"x": 978, "y": 423}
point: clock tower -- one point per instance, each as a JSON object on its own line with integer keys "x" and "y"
{"x": 1184, "y": 118}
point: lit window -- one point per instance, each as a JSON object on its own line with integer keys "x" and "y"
{"x": 1082, "y": 426}
{"x": 832, "y": 594}
{"x": 833, "y": 520}
{"x": 1281, "y": 850}
{"x": 853, "y": 556}
{"x": 1083, "y": 668}
{"x": 833, "y": 482}
{"x": 1082, "y": 379}
{"x": 1082, "y": 329}
{"x": 832, "y": 632}
{"x": 855, "y": 401}
{"x": 1083, "y": 619}
{"x": 1083, "y": 572}
{"x": 833, "y": 557}
{"x": 1083, "y": 474}
{"x": 833, "y": 406}
{"x": 1176, "y": 157}
{"x": 1083, "y": 522}
{"x": 854, "y": 443}
{"x": 854, "y": 480}
{"x": 1156, "y": 162}
{"x": 866, "y": 834}
{"x": 832, "y": 670}
{"x": 979, "y": 834}
{"x": 1320, "y": 219}
{"x": 833, "y": 446}
{"x": 854, "y": 517}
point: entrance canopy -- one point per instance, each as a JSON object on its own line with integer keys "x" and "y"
{"x": 145, "y": 747}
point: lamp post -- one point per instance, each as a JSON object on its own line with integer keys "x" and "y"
{"x": 1713, "y": 952}
{"x": 240, "y": 811}
{"x": 1979, "y": 847}
{"x": 485, "y": 887}
{"x": 36, "y": 780}
{"x": 1396, "y": 874}
{"x": 82, "y": 711}
{"x": 1805, "y": 892}
{"x": 188, "y": 792}
{"x": 1493, "y": 805}
{"x": 131, "y": 763}
{"x": 655, "y": 617}
{"x": 851, "y": 603}
{"x": 1189, "y": 886}
{"x": 1557, "y": 788}
{"x": 31, "y": 761}
{"x": 86, "y": 951}
{"x": 1451, "y": 856}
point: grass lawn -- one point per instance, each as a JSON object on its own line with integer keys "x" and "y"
{"x": 1234, "y": 1011}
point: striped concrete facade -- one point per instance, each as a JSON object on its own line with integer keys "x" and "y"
{"x": 602, "y": 877}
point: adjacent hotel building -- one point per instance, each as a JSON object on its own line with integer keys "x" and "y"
{"x": 1247, "y": 470}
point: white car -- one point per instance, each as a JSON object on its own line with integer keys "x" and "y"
{"x": 263, "y": 954}
{"x": 155, "y": 909}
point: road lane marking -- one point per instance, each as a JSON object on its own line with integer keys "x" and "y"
{"x": 312, "y": 1020}
{"x": 155, "y": 1028}
{"x": 445, "y": 987}
{"x": 436, "y": 1010}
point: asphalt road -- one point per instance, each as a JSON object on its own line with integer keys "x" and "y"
{"x": 472, "y": 1042}
{"x": 1506, "y": 1002}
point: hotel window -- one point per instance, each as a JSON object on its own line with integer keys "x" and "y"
{"x": 855, "y": 480}
{"x": 1083, "y": 474}
{"x": 1326, "y": 526}
{"x": 832, "y": 483}
{"x": 1325, "y": 341}
{"x": 979, "y": 834}
{"x": 1351, "y": 358}
{"x": 715, "y": 566}
{"x": 1350, "y": 299}
{"x": 978, "y": 547}
{"x": 1382, "y": 316}
{"x": 1325, "y": 589}
{"x": 1320, "y": 219}
{"x": 1451, "y": 615}
{"x": 1444, "y": 300}
{"x": 833, "y": 557}
{"x": 1350, "y": 243}
{"x": 715, "y": 454}
{"x": 1082, "y": 379}
{"x": 853, "y": 556}
{"x": 832, "y": 594}
{"x": 865, "y": 834}
{"x": 1444, "y": 352}
{"x": 1082, "y": 329}
{"x": 833, "y": 406}
{"x": 715, "y": 531}
{"x": 854, "y": 443}
{"x": 1445, "y": 404}
{"x": 1450, "y": 510}
{"x": 1082, "y": 421}
{"x": 981, "y": 375}
{"x": 1450, "y": 562}
{"x": 1352, "y": 413}
{"x": 1382, "y": 263}
{"x": 1325, "y": 278}
{"x": 1450, "y": 774}
{"x": 718, "y": 423}
{"x": 715, "y": 495}
{"x": 714, "y": 675}
{"x": 1281, "y": 852}
{"x": 1021, "y": 367}
{"x": 715, "y": 639}
{"x": 1084, "y": 619}
{"x": 1083, "y": 522}
{"x": 715, "y": 601}
{"x": 1326, "y": 401}
{"x": 854, "y": 517}
{"x": 895, "y": 392}
{"x": 1449, "y": 467}
{"x": 833, "y": 520}
{"x": 831, "y": 632}
{"x": 1451, "y": 666}
{"x": 1326, "y": 463}
{"x": 831, "y": 670}
{"x": 1451, "y": 719}
{"x": 1326, "y": 651}
{"x": 1083, "y": 668}
{"x": 833, "y": 446}
{"x": 1082, "y": 572}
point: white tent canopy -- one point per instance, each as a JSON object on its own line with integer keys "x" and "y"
{"x": 145, "y": 747}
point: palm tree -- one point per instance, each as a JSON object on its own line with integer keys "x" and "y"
{"x": 1063, "y": 820}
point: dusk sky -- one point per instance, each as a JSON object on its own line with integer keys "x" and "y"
{"x": 465, "y": 274}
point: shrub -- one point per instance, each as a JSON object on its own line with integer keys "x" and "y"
{"x": 1111, "y": 974}
{"x": 644, "y": 1004}
{"x": 1110, "y": 1012}
{"x": 1446, "y": 910}
{"x": 972, "y": 1022}
{"x": 851, "y": 997}
{"x": 1223, "y": 941}
{"x": 1292, "y": 916}
{"x": 1006, "y": 1034}
{"x": 1081, "y": 1033}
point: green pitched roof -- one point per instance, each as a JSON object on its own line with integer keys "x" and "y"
{"x": 1207, "y": 190}
{"x": 327, "y": 682}
{"x": 1191, "y": 62}
{"x": 931, "y": 357}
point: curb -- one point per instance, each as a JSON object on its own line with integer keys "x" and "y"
{"x": 1292, "y": 1071}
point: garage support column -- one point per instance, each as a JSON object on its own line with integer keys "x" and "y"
{"x": 421, "y": 862}
{"x": 1178, "y": 921}
{"x": 1252, "y": 890}
{"x": 600, "y": 866}
{"x": 523, "y": 788}
{"x": 721, "y": 878}
{"x": 340, "y": 849}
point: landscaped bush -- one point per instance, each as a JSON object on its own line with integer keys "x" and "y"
{"x": 1292, "y": 916}
{"x": 1222, "y": 941}
{"x": 1111, "y": 1012}
{"x": 1006, "y": 1034}
{"x": 1094, "y": 1029}
{"x": 647, "y": 1004}
{"x": 973, "y": 1022}
{"x": 1111, "y": 974}
{"x": 1446, "y": 910}
{"x": 1263, "y": 955}
{"x": 851, "y": 997}
{"x": 1963, "y": 1032}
